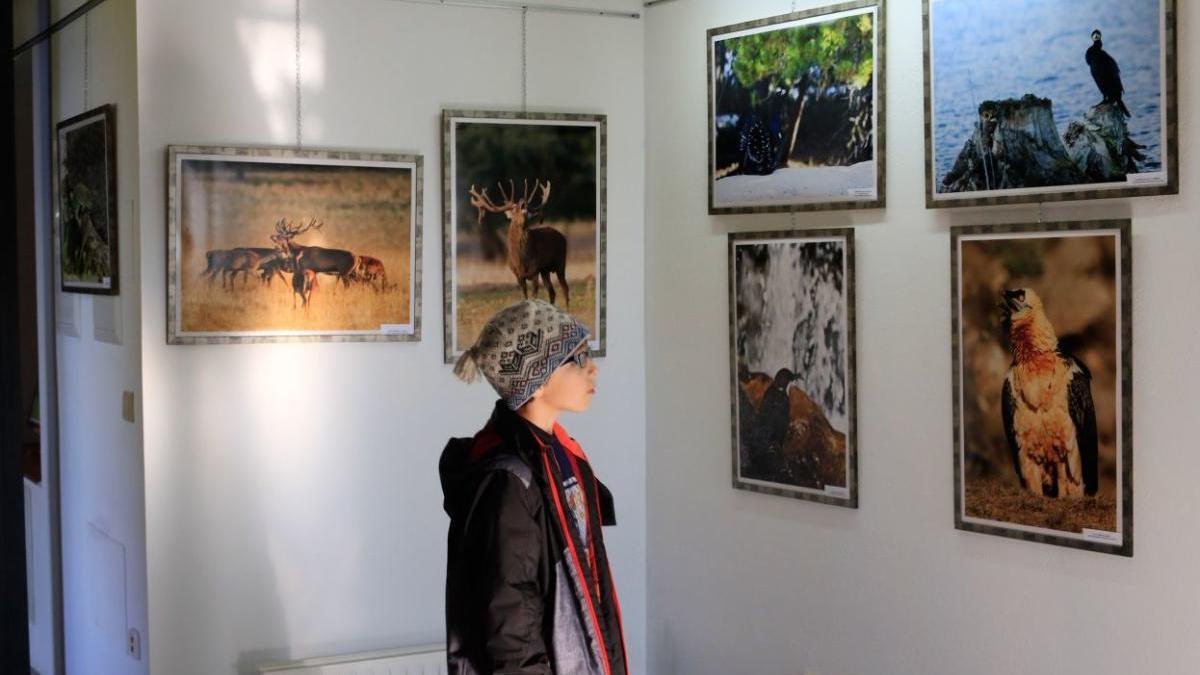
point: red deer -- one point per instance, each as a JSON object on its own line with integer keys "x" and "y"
{"x": 369, "y": 270}
{"x": 216, "y": 260}
{"x": 269, "y": 269}
{"x": 303, "y": 284}
{"x": 229, "y": 263}
{"x": 308, "y": 261}
{"x": 532, "y": 251}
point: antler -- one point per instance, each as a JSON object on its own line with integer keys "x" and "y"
{"x": 545, "y": 192}
{"x": 481, "y": 200}
{"x": 313, "y": 224}
{"x": 287, "y": 229}
{"x": 541, "y": 190}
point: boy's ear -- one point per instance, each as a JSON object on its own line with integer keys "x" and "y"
{"x": 538, "y": 394}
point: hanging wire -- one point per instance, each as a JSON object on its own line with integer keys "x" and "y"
{"x": 87, "y": 34}
{"x": 1041, "y": 215}
{"x": 299, "y": 118}
{"x": 792, "y": 215}
{"x": 525, "y": 58}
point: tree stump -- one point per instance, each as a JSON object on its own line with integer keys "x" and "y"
{"x": 1101, "y": 146}
{"x": 1015, "y": 145}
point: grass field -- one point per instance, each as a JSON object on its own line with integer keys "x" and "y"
{"x": 997, "y": 500}
{"x": 364, "y": 210}
{"x": 252, "y": 306}
{"x": 476, "y": 307}
{"x": 485, "y": 287}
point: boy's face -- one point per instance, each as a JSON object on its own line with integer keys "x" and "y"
{"x": 571, "y": 386}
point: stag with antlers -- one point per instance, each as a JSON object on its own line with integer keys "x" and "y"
{"x": 308, "y": 261}
{"x": 533, "y": 252}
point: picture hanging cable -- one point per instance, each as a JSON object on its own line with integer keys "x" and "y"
{"x": 525, "y": 58}
{"x": 299, "y": 118}
{"x": 547, "y": 8}
{"x": 86, "y": 40}
{"x": 1040, "y": 213}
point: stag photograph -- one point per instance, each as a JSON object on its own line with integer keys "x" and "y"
{"x": 795, "y": 111}
{"x": 792, "y": 367}
{"x": 1041, "y": 100}
{"x": 1042, "y": 383}
{"x": 281, "y": 245}
{"x": 524, "y": 208}
{"x": 86, "y": 180}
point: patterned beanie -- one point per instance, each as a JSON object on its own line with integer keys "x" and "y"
{"x": 520, "y": 347}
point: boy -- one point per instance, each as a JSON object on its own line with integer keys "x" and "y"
{"x": 528, "y": 586}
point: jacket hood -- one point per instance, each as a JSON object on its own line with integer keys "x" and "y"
{"x": 463, "y": 459}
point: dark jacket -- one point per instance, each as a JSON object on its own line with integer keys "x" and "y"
{"x": 522, "y": 598}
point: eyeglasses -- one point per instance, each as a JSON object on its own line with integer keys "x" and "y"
{"x": 580, "y": 358}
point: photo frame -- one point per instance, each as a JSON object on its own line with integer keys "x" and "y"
{"x": 286, "y": 245}
{"x": 792, "y": 364}
{"x": 1017, "y": 112}
{"x": 85, "y": 199}
{"x": 496, "y": 245}
{"x": 1043, "y": 386}
{"x": 796, "y": 111}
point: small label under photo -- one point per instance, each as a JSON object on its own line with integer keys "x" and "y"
{"x": 1102, "y": 536}
{"x": 1148, "y": 178}
{"x": 835, "y": 491}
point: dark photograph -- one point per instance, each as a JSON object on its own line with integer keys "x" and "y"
{"x": 794, "y": 111}
{"x": 87, "y": 202}
{"x": 793, "y": 364}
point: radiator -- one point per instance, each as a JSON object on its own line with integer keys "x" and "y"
{"x": 426, "y": 660}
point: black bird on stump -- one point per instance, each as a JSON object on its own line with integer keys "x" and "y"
{"x": 1106, "y": 73}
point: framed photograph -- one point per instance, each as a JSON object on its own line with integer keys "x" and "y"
{"x": 524, "y": 203}
{"x": 1043, "y": 391}
{"x": 1049, "y": 100}
{"x": 284, "y": 245}
{"x": 795, "y": 111}
{"x": 792, "y": 346}
{"x": 86, "y": 199}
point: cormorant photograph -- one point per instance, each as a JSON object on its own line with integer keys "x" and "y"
{"x": 1083, "y": 84}
{"x": 1105, "y": 72}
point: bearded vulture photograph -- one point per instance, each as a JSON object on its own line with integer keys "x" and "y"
{"x": 1046, "y": 402}
{"x": 1043, "y": 334}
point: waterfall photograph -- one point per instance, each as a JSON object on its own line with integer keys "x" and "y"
{"x": 792, "y": 335}
{"x": 1049, "y": 99}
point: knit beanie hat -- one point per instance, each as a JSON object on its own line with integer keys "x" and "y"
{"x": 520, "y": 347}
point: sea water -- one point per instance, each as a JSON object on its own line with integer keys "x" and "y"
{"x": 993, "y": 50}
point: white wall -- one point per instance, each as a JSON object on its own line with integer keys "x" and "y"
{"x": 99, "y": 357}
{"x": 285, "y": 520}
{"x": 748, "y": 583}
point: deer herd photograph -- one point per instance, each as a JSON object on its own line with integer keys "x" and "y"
{"x": 271, "y": 244}
{"x": 525, "y": 218}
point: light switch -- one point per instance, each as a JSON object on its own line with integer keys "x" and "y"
{"x": 127, "y": 406}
